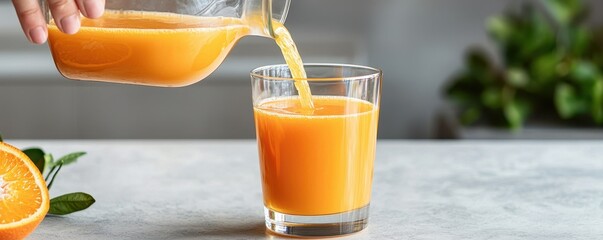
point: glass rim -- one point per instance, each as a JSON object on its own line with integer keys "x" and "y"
{"x": 377, "y": 72}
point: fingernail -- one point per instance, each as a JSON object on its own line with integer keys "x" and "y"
{"x": 37, "y": 35}
{"x": 93, "y": 8}
{"x": 71, "y": 24}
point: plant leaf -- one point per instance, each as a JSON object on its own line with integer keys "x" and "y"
{"x": 516, "y": 112}
{"x": 500, "y": 28}
{"x": 563, "y": 97}
{"x": 70, "y": 203}
{"x": 1, "y": 140}
{"x": 49, "y": 159}
{"x": 543, "y": 67}
{"x": 470, "y": 116}
{"x": 584, "y": 71}
{"x": 517, "y": 77}
{"x": 492, "y": 97}
{"x": 478, "y": 59}
{"x": 581, "y": 39}
{"x": 564, "y": 11}
{"x": 69, "y": 158}
{"x": 513, "y": 116}
{"x": 597, "y": 106}
{"x": 567, "y": 103}
{"x": 37, "y": 157}
{"x": 537, "y": 36}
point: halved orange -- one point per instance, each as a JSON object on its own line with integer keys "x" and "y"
{"x": 24, "y": 199}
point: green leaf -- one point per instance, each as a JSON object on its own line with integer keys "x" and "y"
{"x": 37, "y": 157}
{"x": 70, "y": 203}
{"x": 517, "y": 77}
{"x": 462, "y": 90}
{"x": 491, "y": 98}
{"x": 597, "y": 105}
{"x": 580, "y": 39}
{"x": 470, "y": 116}
{"x": 543, "y": 68}
{"x": 567, "y": 102}
{"x": 563, "y": 69}
{"x": 584, "y": 71}
{"x": 500, "y": 28}
{"x": 68, "y": 159}
{"x": 564, "y": 11}
{"x": 563, "y": 100}
{"x": 537, "y": 37}
{"x": 49, "y": 159}
{"x": 1, "y": 140}
{"x": 477, "y": 59}
{"x": 516, "y": 114}
{"x": 463, "y": 98}
{"x": 480, "y": 67}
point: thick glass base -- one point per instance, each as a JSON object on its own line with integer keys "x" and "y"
{"x": 321, "y": 225}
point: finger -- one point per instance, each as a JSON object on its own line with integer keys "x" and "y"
{"x": 31, "y": 19}
{"x": 66, "y": 15}
{"x": 91, "y": 8}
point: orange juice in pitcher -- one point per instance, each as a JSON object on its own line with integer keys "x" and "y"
{"x": 160, "y": 43}
{"x": 160, "y": 49}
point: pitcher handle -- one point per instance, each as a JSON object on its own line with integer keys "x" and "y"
{"x": 45, "y": 10}
{"x": 277, "y": 11}
{"x": 280, "y": 9}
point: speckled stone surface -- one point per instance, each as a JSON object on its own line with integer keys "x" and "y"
{"x": 422, "y": 190}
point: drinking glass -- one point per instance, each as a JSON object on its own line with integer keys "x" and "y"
{"x": 317, "y": 164}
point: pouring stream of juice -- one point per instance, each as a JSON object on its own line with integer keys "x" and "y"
{"x": 296, "y": 65}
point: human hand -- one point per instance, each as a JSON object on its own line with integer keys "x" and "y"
{"x": 66, "y": 14}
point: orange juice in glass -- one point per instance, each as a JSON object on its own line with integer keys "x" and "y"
{"x": 317, "y": 164}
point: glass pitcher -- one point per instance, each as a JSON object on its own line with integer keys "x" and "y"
{"x": 160, "y": 43}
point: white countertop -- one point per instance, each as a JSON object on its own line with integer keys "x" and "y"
{"x": 422, "y": 190}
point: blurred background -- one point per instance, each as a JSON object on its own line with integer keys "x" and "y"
{"x": 420, "y": 45}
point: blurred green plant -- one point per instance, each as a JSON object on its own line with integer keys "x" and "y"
{"x": 549, "y": 67}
